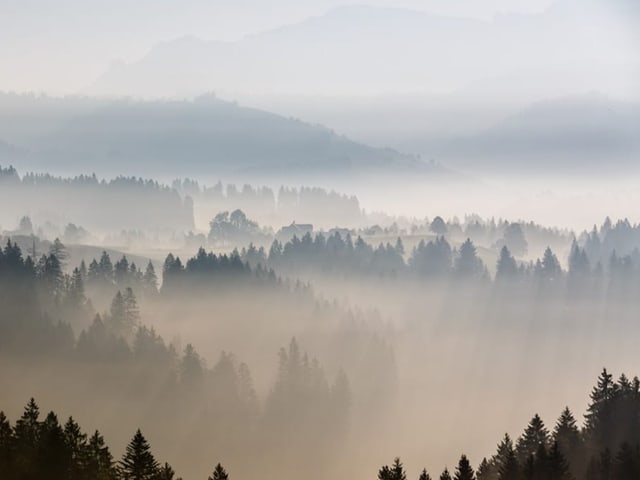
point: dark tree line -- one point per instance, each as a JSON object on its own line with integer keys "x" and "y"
{"x": 35, "y": 448}
{"x": 437, "y": 259}
{"x": 606, "y": 447}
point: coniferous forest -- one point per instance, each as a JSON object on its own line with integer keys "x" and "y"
{"x": 319, "y": 240}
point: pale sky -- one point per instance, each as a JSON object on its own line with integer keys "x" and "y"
{"x": 60, "y": 46}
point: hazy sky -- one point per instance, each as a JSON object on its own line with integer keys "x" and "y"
{"x": 60, "y": 46}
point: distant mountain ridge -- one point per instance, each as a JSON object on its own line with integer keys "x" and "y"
{"x": 580, "y": 134}
{"x": 364, "y": 49}
{"x": 200, "y": 137}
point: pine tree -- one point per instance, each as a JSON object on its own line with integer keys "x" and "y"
{"x": 558, "y": 467}
{"x": 150, "y": 278}
{"x": 445, "y": 475}
{"x": 99, "y": 461}
{"x": 52, "y": 457}
{"x": 105, "y": 267}
{"x": 76, "y": 444}
{"x": 191, "y": 369}
{"x": 383, "y": 474}
{"x": 626, "y": 465}
{"x": 424, "y": 475}
{"x": 6, "y": 445}
{"x": 549, "y": 268}
{"x": 468, "y": 264}
{"x": 486, "y": 470}
{"x": 219, "y": 473}
{"x": 27, "y": 435}
{"x": 138, "y": 462}
{"x": 534, "y": 435}
{"x": 598, "y": 420}
{"x": 166, "y": 473}
{"x": 464, "y": 470}
{"x": 131, "y": 309}
{"x": 395, "y": 472}
{"x": 506, "y": 461}
{"x": 75, "y": 294}
{"x": 506, "y": 267}
{"x": 58, "y": 250}
{"x": 567, "y": 435}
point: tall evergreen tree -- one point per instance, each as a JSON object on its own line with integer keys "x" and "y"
{"x": 558, "y": 466}
{"x": 7, "y": 454}
{"x": 467, "y": 263}
{"x": 99, "y": 461}
{"x": 395, "y": 472}
{"x": 464, "y": 470}
{"x": 76, "y": 445}
{"x": 445, "y": 475}
{"x": 166, "y": 473}
{"x": 27, "y": 436}
{"x": 219, "y": 473}
{"x": 424, "y": 475}
{"x": 598, "y": 420}
{"x": 52, "y": 454}
{"x": 506, "y": 268}
{"x": 534, "y": 435}
{"x": 150, "y": 278}
{"x": 138, "y": 463}
{"x": 506, "y": 461}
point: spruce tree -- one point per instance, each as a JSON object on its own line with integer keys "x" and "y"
{"x": 6, "y": 445}
{"x": 99, "y": 461}
{"x": 534, "y": 435}
{"x": 626, "y": 465}
{"x": 397, "y": 470}
{"x": 424, "y": 475}
{"x": 76, "y": 445}
{"x": 558, "y": 467}
{"x": 598, "y": 420}
{"x": 219, "y": 473}
{"x": 486, "y": 470}
{"x": 506, "y": 268}
{"x": 464, "y": 470}
{"x": 52, "y": 457}
{"x": 150, "y": 278}
{"x": 506, "y": 461}
{"x": 166, "y": 473}
{"x": 138, "y": 463}
{"x": 27, "y": 436}
{"x": 445, "y": 475}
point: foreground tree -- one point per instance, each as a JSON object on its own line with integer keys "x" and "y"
{"x": 424, "y": 475}
{"x": 395, "y": 472}
{"x": 464, "y": 470}
{"x": 445, "y": 475}
{"x": 219, "y": 473}
{"x": 138, "y": 463}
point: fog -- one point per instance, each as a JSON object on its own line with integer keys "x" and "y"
{"x": 319, "y": 240}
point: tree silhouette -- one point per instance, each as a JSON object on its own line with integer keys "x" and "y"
{"x": 445, "y": 475}
{"x": 464, "y": 470}
{"x": 534, "y": 435}
{"x": 138, "y": 463}
{"x": 395, "y": 472}
{"x": 424, "y": 475}
{"x": 219, "y": 473}
{"x": 506, "y": 268}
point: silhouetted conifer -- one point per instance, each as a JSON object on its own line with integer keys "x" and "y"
{"x": 138, "y": 463}
{"x": 219, "y": 473}
{"x": 464, "y": 470}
